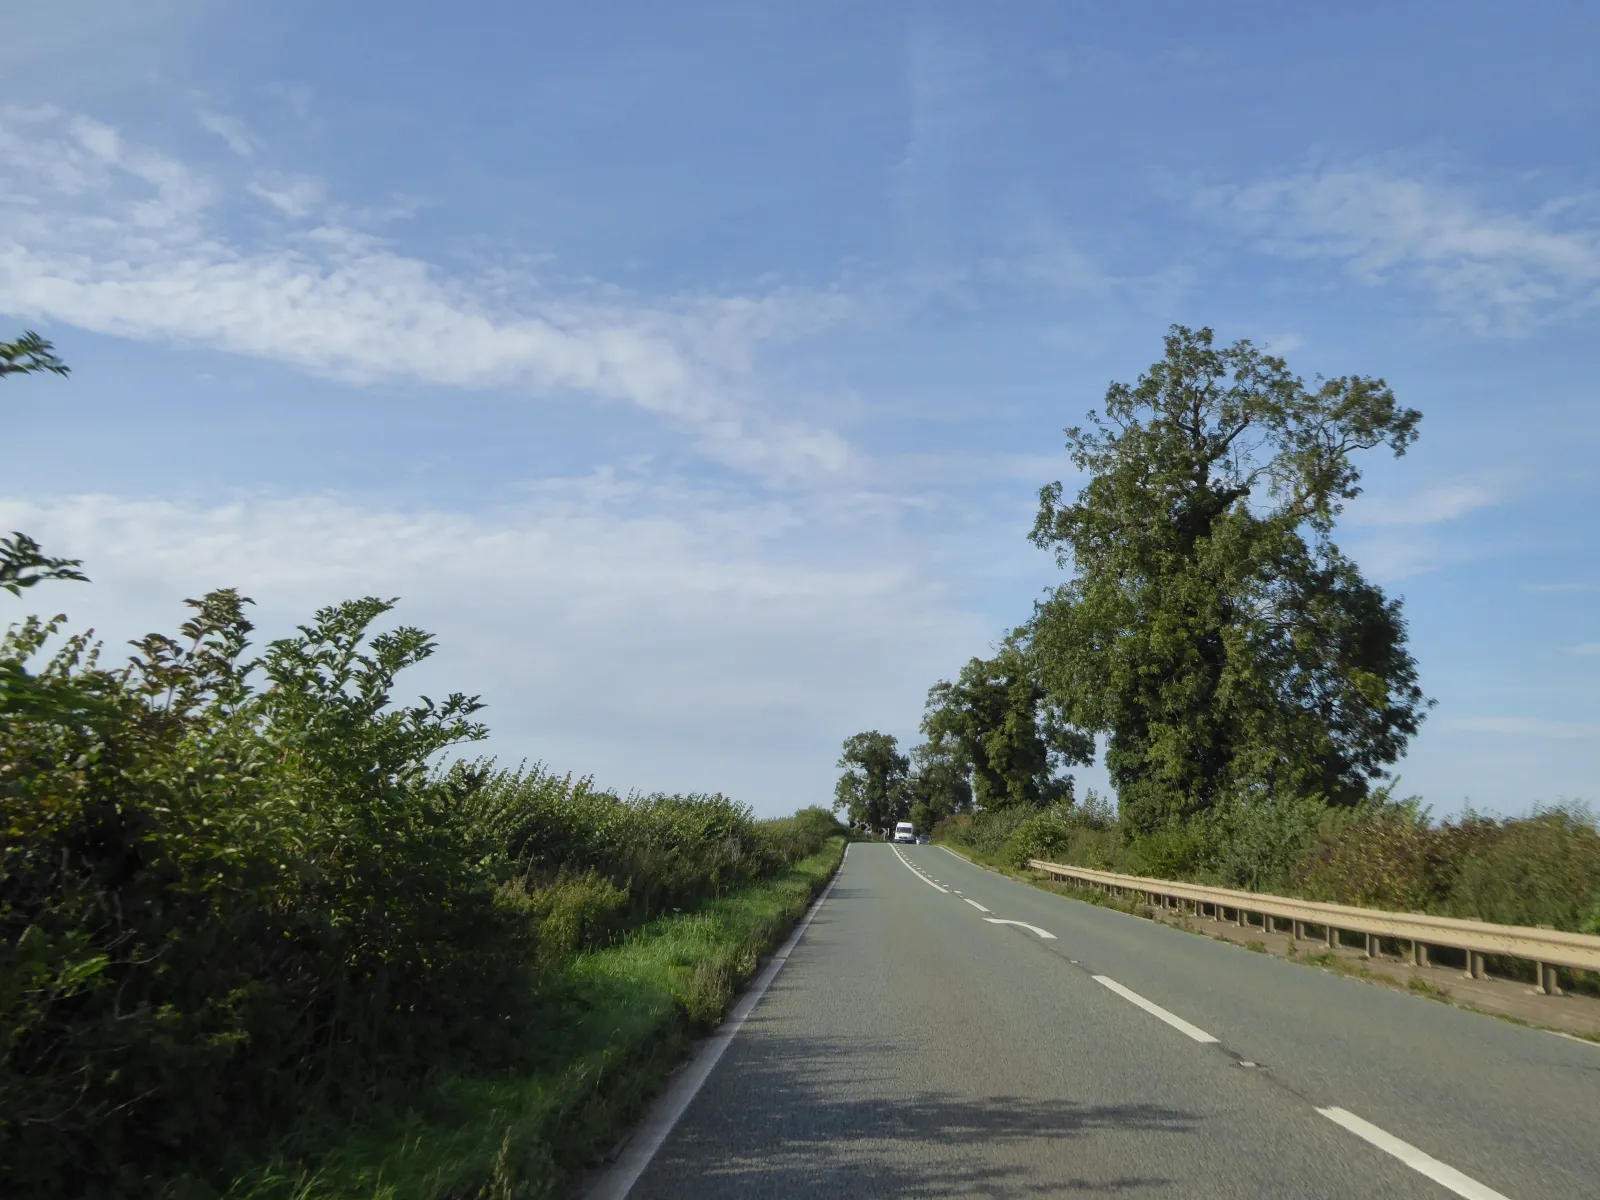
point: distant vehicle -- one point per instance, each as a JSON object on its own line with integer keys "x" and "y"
{"x": 904, "y": 832}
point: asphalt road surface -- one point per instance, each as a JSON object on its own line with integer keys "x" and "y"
{"x": 915, "y": 1046}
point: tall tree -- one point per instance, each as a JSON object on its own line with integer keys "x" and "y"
{"x": 1212, "y": 627}
{"x": 997, "y": 720}
{"x": 872, "y": 790}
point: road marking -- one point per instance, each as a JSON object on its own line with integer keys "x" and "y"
{"x": 618, "y": 1181}
{"x": 1424, "y": 1164}
{"x": 1044, "y": 933}
{"x": 975, "y": 904}
{"x": 918, "y": 873}
{"x": 1154, "y": 1009}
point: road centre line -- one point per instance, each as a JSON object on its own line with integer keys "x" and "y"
{"x": 1424, "y": 1164}
{"x": 975, "y": 904}
{"x": 1045, "y": 934}
{"x": 917, "y": 873}
{"x": 617, "y": 1181}
{"x": 1154, "y": 1009}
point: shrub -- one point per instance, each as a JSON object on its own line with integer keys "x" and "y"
{"x": 218, "y": 901}
{"x": 789, "y": 839}
{"x": 660, "y": 852}
{"x": 1541, "y": 870}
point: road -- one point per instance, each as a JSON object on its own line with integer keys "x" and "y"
{"x": 913, "y": 1046}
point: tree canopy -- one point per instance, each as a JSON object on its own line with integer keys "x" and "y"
{"x": 1212, "y": 628}
{"x": 872, "y": 791}
{"x": 998, "y": 722}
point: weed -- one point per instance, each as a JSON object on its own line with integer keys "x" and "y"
{"x": 1422, "y": 987}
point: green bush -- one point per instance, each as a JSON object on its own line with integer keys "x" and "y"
{"x": 1543, "y": 869}
{"x": 659, "y": 853}
{"x": 790, "y": 839}
{"x": 1540, "y": 870}
{"x": 219, "y": 900}
{"x": 236, "y": 894}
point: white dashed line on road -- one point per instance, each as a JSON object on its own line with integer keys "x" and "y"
{"x": 975, "y": 904}
{"x": 1423, "y": 1164}
{"x": 1154, "y": 1009}
{"x": 912, "y": 868}
{"x": 1043, "y": 933}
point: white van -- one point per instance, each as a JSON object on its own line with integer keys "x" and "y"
{"x": 905, "y": 832}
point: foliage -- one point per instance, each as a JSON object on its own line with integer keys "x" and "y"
{"x": 1213, "y": 629}
{"x": 236, "y": 892}
{"x": 23, "y": 562}
{"x": 607, "y": 1035}
{"x": 1543, "y": 869}
{"x": 872, "y": 791}
{"x": 996, "y": 721}
{"x": 939, "y": 785}
{"x": 218, "y": 900}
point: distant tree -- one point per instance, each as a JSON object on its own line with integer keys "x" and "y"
{"x": 872, "y": 791}
{"x": 1212, "y": 627}
{"x": 998, "y": 722}
{"x": 940, "y": 785}
{"x": 23, "y": 562}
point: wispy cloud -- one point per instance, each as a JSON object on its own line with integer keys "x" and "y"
{"x": 1434, "y": 506}
{"x": 1573, "y": 587}
{"x": 1499, "y": 271}
{"x": 101, "y": 232}
{"x": 1533, "y": 727}
{"x": 1584, "y": 649}
{"x": 232, "y": 131}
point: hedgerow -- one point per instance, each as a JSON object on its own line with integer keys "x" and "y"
{"x": 237, "y": 891}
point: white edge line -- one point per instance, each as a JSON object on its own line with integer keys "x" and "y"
{"x": 1043, "y": 933}
{"x": 907, "y": 864}
{"x": 1424, "y": 1164}
{"x": 653, "y": 1130}
{"x": 975, "y": 904}
{"x": 1155, "y": 1010}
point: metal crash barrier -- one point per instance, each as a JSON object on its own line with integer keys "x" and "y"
{"x": 1547, "y": 949}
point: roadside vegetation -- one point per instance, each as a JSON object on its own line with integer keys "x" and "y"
{"x": 1250, "y": 689}
{"x": 261, "y": 923}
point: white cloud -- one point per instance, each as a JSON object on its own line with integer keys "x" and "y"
{"x": 1531, "y": 727}
{"x": 655, "y": 636}
{"x": 294, "y": 196}
{"x": 1584, "y": 649}
{"x": 100, "y": 232}
{"x": 1436, "y": 505}
{"x": 1499, "y": 271}
{"x": 232, "y": 131}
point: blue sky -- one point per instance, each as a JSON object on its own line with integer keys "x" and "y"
{"x": 691, "y": 369}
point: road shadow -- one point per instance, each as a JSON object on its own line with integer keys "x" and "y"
{"x": 791, "y": 1116}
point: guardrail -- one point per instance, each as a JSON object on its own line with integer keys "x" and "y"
{"x": 1547, "y": 949}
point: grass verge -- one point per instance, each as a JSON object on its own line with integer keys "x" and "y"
{"x": 610, "y": 1031}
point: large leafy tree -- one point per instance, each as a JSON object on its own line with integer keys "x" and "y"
{"x": 872, "y": 791}
{"x": 1212, "y": 627}
{"x": 997, "y": 720}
